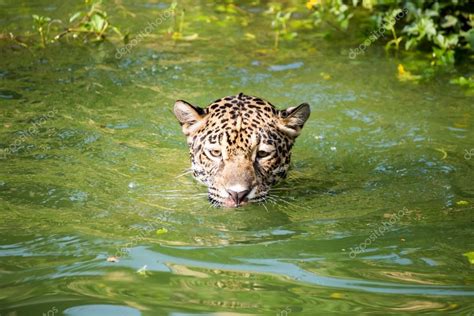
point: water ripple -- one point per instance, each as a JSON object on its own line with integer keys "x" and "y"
{"x": 283, "y": 268}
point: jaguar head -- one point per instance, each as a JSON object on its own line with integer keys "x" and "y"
{"x": 240, "y": 145}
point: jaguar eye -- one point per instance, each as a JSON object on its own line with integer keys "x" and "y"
{"x": 215, "y": 153}
{"x": 263, "y": 154}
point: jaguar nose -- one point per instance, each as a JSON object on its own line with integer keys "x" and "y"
{"x": 238, "y": 196}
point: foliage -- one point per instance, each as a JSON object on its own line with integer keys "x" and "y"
{"x": 441, "y": 30}
{"x": 42, "y": 26}
{"x": 441, "y": 27}
{"x": 470, "y": 256}
{"x": 464, "y": 82}
{"x": 405, "y": 75}
{"x": 279, "y": 23}
{"x": 332, "y": 12}
{"x": 177, "y": 29}
{"x": 92, "y": 24}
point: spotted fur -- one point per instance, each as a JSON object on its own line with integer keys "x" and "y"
{"x": 240, "y": 145}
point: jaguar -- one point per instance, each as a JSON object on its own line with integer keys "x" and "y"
{"x": 240, "y": 145}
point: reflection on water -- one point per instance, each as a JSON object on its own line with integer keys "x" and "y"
{"x": 101, "y": 310}
{"x": 109, "y": 170}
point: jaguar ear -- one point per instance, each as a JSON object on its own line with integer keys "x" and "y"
{"x": 190, "y": 117}
{"x": 293, "y": 119}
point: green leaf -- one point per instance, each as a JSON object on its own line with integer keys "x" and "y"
{"x": 75, "y": 16}
{"x": 412, "y": 42}
{"x": 469, "y": 36}
{"x": 429, "y": 27}
{"x": 431, "y": 13}
{"x": 470, "y": 256}
{"x": 97, "y": 22}
{"x": 395, "y": 43}
{"x": 161, "y": 231}
{"x": 449, "y": 21}
{"x": 452, "y": 40}
{"x": 289, "y": 36}
{"x": 143, "y": 271}
{"x": 345, "y": 24}
{"x": 463, "y": 82}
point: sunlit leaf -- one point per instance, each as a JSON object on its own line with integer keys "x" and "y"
{"x": 449, "y": 21}
{"x": 97, "y": 22}
{"x": 191, "y": 37}
{"x": 161, "y": 231}
{"x": 75, "y": 16}
{"x": 250, "y": 36}
{"x": 470, "y": 256}
{"x": 143, "y": 271}
{"x": 405, "y": 75}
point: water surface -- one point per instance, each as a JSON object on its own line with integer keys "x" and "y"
{"x": 97, "y": 164}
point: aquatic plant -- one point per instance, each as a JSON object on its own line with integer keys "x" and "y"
{"x": 90, "y": 24}
{"x": 42, "y": 27}
{"x": 93, "y": 23}
{"x": 279, "y": 23}
{"x": 441, "y": 27}
{"x": 334, "y": 13}
{"x": 177, "y": 28}
{"x": 441, "y": 30}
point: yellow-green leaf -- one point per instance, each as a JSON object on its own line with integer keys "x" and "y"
{"x": 161, "y": 231}
{"x": 470, "y": 256}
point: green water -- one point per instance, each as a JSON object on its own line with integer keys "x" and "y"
{"x": 97, "y": 165}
